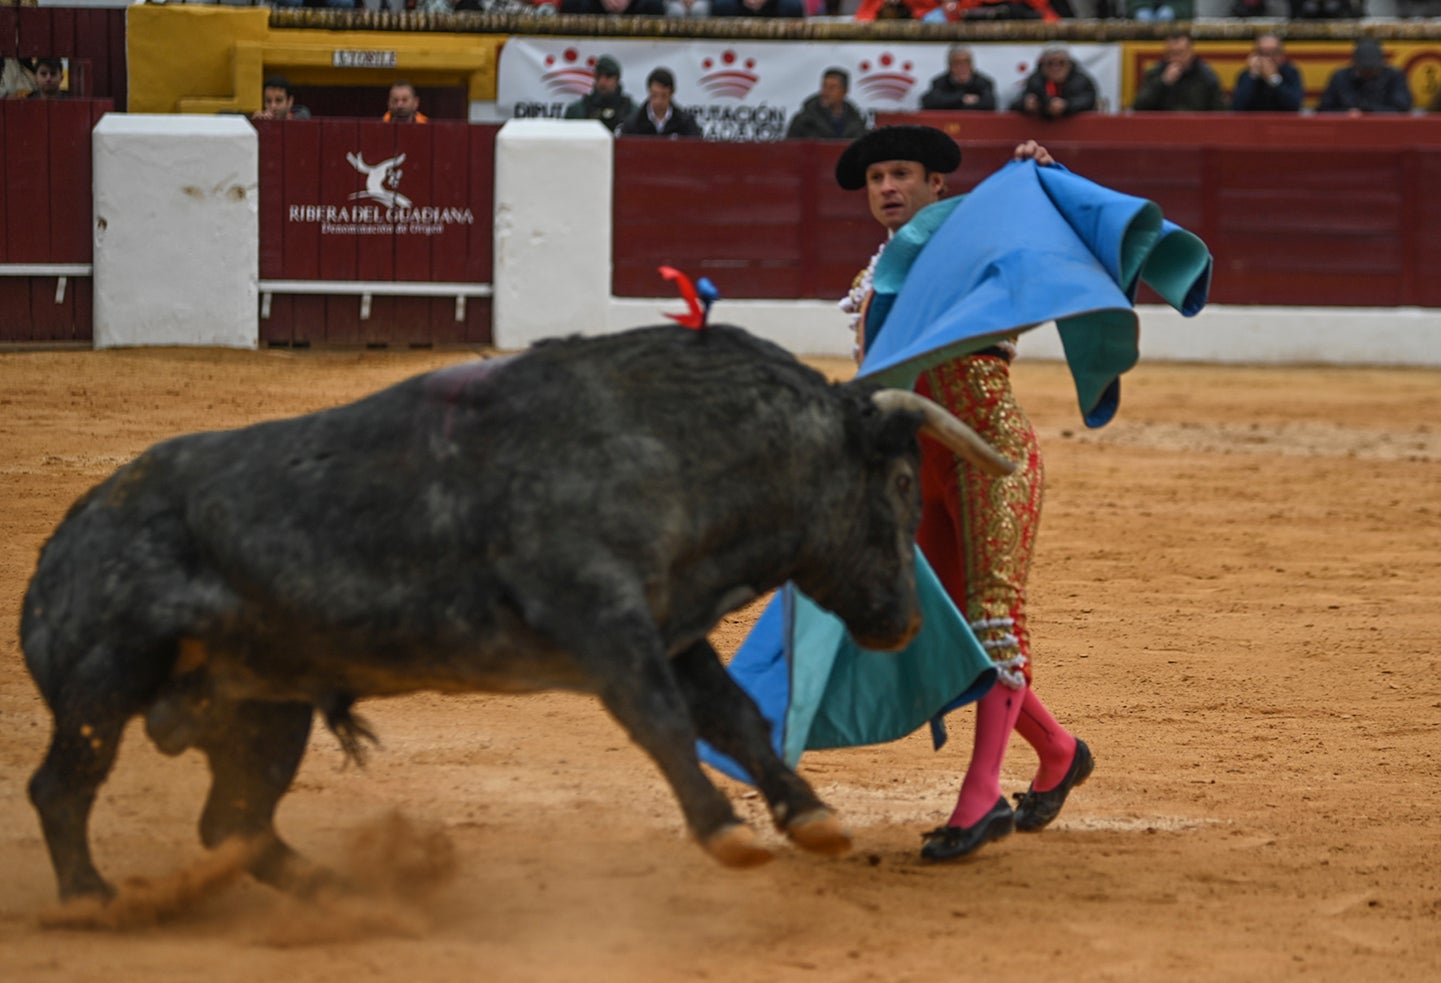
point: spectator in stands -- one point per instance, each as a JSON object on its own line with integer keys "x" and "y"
{"x": 404, "y": 105}
{"x": 1269, "y": 82}
{"x": 951, "y": 11}
{"x": 659, "y": 116}
{"x": 646, "y": 8}
{"x": 828, "y": 115}
{"x": 1058, "y": 87}
{"x": 49, "y": 73}
{"x": 894, "y": 9}
{"x": 687, "y": 8}
{"x": 606, "y": 100}
{"x": 1369, "y": 85}
{"x": 758, "y": 8}
{"x": 961, "y": 87}
{"x": 1180, "y": 81}
{"x": 1152, "y": 10}
{"x": 278, "y": 101}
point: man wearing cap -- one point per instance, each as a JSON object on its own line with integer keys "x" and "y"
{"x": 976, "y": 532}
{"x": 606, "y": 101}
{"x": 828, "y": 115}
{"x": 1369, "y": 85}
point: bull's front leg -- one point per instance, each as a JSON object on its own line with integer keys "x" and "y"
{"x": 729, "y": 720}
{"x": 636, "y": 684}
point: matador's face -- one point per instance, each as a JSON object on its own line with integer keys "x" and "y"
{"x": 897, "y": 189}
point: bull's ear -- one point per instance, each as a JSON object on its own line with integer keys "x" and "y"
{"x": 888, "y": 433}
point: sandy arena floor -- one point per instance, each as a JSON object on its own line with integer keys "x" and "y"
{"x": 1235, "y": 603}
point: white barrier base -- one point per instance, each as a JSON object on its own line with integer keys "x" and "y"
{"x": 1237, "y": 335}
{"x": 177, "y": 231}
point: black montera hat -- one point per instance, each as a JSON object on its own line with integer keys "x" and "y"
{"x": 925, "y": 145}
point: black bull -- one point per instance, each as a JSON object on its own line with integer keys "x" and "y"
{"x": 578, "y": 516}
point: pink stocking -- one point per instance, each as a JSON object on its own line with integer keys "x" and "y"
{"x": 996, "y": 714}
{"x": 1053, "y": 743}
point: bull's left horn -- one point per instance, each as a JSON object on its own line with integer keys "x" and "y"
{"x": 943, "y": 426}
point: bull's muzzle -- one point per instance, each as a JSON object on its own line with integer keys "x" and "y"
{"x": 891, "y": 642}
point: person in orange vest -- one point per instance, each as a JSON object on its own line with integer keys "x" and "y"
{"x": 404, "y": 105}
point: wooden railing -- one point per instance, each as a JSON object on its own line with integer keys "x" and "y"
{"x": 45, "y": 215}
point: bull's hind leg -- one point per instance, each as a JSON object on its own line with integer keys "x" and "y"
{"x": 638, "y": 687}
{"x": 728, "y": 719}
{"x": 255, "y": 749}
{"x": 91, "y": 700}
{"x": 82, "y": 751}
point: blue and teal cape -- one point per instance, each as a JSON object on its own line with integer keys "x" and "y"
{"x": 1028, "y": 246}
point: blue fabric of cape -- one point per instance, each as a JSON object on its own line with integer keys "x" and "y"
{"x": 1028, "y": 246}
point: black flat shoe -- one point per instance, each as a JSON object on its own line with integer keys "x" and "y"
{"x": 1036, "y": 809}
{"x": 951, "y": 842}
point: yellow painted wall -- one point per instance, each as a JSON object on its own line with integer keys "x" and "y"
{"x": 194, "y": 58}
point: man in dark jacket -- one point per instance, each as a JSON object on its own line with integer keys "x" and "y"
{"x": 1368, "y": 86}
{"x": 828, "y": 115}
{"x": 659, "y": 116}
{"x": 962, "y": 87}
{"x": 1180, "y": 81}
{"x": 1058, "y": 87}
{"x": 606, "y": 101}
{"x": 1269, "y": 83}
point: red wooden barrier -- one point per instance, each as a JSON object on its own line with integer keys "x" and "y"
{"x": 45, "y": 212}
{"x": 1296, "y": 210}
{"x": 346, "y": 202}
{"x": 92, "y": 38}
{"x": 761, "y": 220}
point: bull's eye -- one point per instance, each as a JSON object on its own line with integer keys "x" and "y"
{"x": 904, "y": 483}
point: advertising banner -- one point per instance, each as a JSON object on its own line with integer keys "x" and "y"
{"x": 749, "y": 90}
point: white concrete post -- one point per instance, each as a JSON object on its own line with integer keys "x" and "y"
{"x": 177, "y": 231}
{"x": 552, "y": 230}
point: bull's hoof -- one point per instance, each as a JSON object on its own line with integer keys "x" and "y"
{"x": 735, "y": 846}
{"x": 819, "y": 831}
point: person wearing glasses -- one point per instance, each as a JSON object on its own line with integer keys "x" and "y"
{"x": 1058, "y": 87}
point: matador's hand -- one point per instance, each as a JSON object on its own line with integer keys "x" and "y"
{"x": 1031, "y": 150}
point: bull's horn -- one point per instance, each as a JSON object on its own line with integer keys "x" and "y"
{"x": 943, "y": 426}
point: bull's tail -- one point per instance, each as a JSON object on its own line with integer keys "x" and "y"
{"x": 349, "y": 728}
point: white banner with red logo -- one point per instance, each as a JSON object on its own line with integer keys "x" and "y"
{"x": 749, "y": 90}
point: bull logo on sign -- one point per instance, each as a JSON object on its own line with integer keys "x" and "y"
{"x": 381, "y": 180}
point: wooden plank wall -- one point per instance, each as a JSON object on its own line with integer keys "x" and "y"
{"x": 45, "y": 214}
{"x": 1355, "y": 222}
{"x": 761, "y": 220}
{"x": 305, "y": 162}
{"x": 93, "y": 38}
